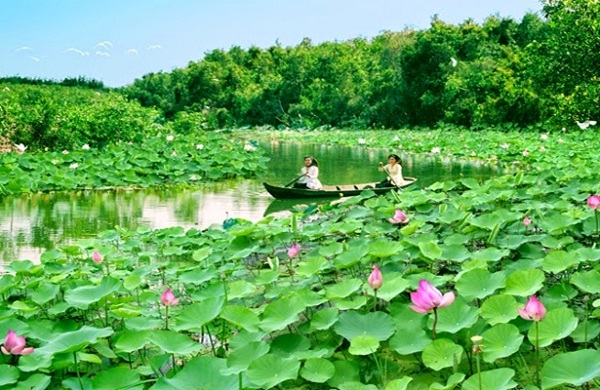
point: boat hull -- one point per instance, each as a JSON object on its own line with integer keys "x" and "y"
{"x": 280, "y": 192}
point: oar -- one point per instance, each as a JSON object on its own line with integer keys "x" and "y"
{"x": 293, "y": 181}
{"x": 391, "y": 177}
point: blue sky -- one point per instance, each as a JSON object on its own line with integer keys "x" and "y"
{"x": 117, "y": 41}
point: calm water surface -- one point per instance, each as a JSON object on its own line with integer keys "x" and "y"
{"x": 32, "y": 224}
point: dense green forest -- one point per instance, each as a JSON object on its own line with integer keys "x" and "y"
{"x": 543, "y": 69}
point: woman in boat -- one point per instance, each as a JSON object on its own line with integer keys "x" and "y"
{"x": 310, "y": 175}
{"x": 394, "y": 172}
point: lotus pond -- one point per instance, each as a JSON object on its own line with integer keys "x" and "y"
{"x": 463, "y": 283}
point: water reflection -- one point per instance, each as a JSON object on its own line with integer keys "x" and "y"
{"x": 31, "y": 224}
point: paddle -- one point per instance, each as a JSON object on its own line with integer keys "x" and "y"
{"x": 391, "y": 177}
{"x": 293, "y": 181}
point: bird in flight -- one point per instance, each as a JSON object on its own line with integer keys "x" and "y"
{"x": 24, "y": 48}
{"x": 80, "y": 52}
{"x": 106, "y": 44}
{"x": 132, "y": 51}
{"x": 154, "y": 47}
{"x": 103, "y": 54}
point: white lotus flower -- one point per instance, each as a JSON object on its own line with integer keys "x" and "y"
{"x": 249, "y": 147}
{"x": 504, "y": 146}
{"x": 21, "y": 148}
{"x": 586, "y": 124}
{"x": 85, "y": 147}
{"x": 74, "y": 166}
{"x": 362, "y": 141}
{"x": 200, "y": 146}
{"x": 435, "y": 150}
{"x": 170, "y": 138}
{"x": 544, "y": 137}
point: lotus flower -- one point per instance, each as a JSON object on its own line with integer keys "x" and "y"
{"x": 534, "y": 310}
{"x": 526, "y": 221}
{"x": 427, "y": 298}
{"x": 594, "y": 202}
{"x": 399, "y": 217}
{"x": 293, "y": 251}
{"x": 168, "y": 298}
{"x": 97, "y": 257}
{"x": 375, "y": 279}
{"x": 15, "y": 345}
{"x": 21, "y": 148}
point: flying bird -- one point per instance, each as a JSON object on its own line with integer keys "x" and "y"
{"x": 103, "y": 54}
{"x": 36, "y": 59}
{"x": 154, "y": 47}
{"x": 586, "y": 124}
{"x": 80, "y": 52}
{"x": 105, "y": 44}
{"x": 132, "y": 51}
{"x": 24, "y": 48}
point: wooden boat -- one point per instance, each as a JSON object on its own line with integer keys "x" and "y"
{"x": 281, "y": 192}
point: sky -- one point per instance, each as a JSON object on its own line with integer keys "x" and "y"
{"x": 118, "y": 41}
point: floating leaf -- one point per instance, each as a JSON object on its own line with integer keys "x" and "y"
{"x": 317, "y": 370}
{"x": 588, "y": 282}
{"x": 441, "y": 353}
{"x": 174, "y": 342}
{"x": 558, "y": 261}
{"x": 385, "y": 248}
{"x": 324, "y": 318}
{"x": 194, "y": 316}
{"x": 270, "y": 370}
{"x": 574, "y": 368}
{"x": 343, "y": 288}
{"x": 116, "y": 378}
{"x": 8, "y": 374}
{"x": 199, "y": 373}
{"x": 500, "y": 341}
{"x": 345, "y": 371}
{"x": 281, "y": 313}
{"x": 499, "y": 309}
{"x": 525, "y": 282}
{"x": 453, "y": 318}
{"x": 409, "y": 341}
{"x": 498, "y": 379}
{"x": 240, "y": 358}
{"x": 558, "y": 324}
{"x": 352, "y": 324}
{"x": 82, "y": 297}
{"x": 430, "y": 250}
{"x": 241, "y": 316}
{"x": 363, "y": 345}
{"x": 479, "y": 283}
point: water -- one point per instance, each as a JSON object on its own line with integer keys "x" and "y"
{"x": 32, "y": 224}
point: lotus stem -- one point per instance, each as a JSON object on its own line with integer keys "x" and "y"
{"x": 537, "y": 355}
{"x": 435, "y": 320}
{"x": 166, "y": 317}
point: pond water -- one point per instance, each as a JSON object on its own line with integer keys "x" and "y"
{"x": 32, "y": 224}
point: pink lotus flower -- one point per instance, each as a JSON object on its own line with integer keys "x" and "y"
{"x": 375, "y": 279}
{"x": 427, "y": 298}
{"x": 168, "y": 298}
{"x": 534, "y": 310}
{"x": 97, "y": 257}
{"x": 293, "y": 251}
{"x": 526, "y": 221}
{"x": 594, "y": 202}
{"x": 399, "y": 217}
{"x": 14, "y": 345}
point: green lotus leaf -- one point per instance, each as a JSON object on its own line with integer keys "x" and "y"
{"x": 196, "y": 315}
{"x": 479, "y": 283}
{"x": 500, "y": 341}
{"x": 267, "y": 277}
{"x": 129, "y": 341}
{"x": 202, "y": 254}
{"x": 317, "y": 370}
{"x": 199, "y": 373}
{"x": 343, "y": 288}
{"x": 442, "y": 353}
{"x": 558, "y": 324}
{"x": 312, "y": 266}
{"x": 588, "y": 281}
{"x": 406, "y": 318}
{"x": 385, "y": 248}
{"x": 309, "y": 298}
{"x": 455, "y": 317}
{"x": 399, "y": 384}
{"x": 356, "y": 386}
{"x": 289, "y": 344}
{"x": 80, "y": 383}
{"x": 324, "y": 318}
{"x": 499, "y": 309}
{"x": 454, "y": 380}
{"x": 132, "y": 282}
{"x": 44, "y": 293}
{"x": 270, "y": 370}
{"x": 363, "y": 345}
{"x": 490, "y": 254}
{"x": 353, "y": 303}
{"x": 34, "y": 382}
{"x": 240, "y": 358}
{"x": 573, "y": 368}
{"x": 174, "y": 342}
{"x": 556, "y": 224}
{"x": 525, "y": 282}
{"x": 430, "y": 250}
{"x": 116, "y": 378}
{"x": 82, "y": 297}
{"x": 456, "y": 253}
{"x": 393, "y": 285}
{"x": 198, "y": 276}
{"x": 409, "y": 340}
{"x": 281, "y": 313}
{"x": 588, "y": 254}
{"x": 498, "y": 379}
{"x": 331, "y": 249}
{"x": 586, "y": 331}
{"x": 350, "y": 257}
{"x": 352, "y": 324}
{"x": 345, "y": 371}
{"x": 558, "y": 261}
{"x": 8, "y": 374}
{"x": 144, "y": 323}
{"x": 241, "y": 316}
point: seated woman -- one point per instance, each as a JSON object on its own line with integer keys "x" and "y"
{"x": 310, "y": 175}
{"x": 394, "y": 171}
